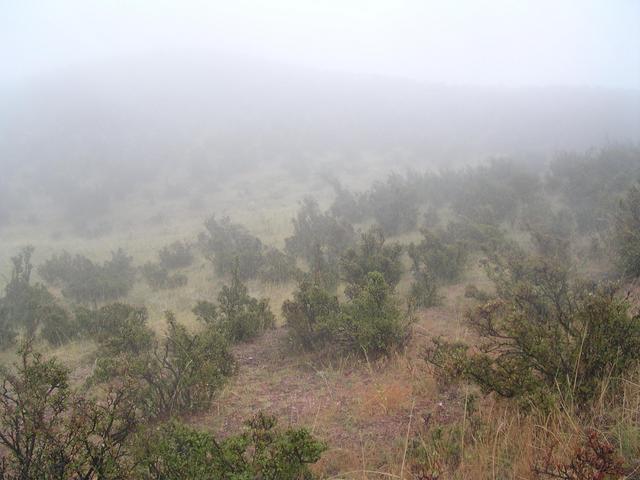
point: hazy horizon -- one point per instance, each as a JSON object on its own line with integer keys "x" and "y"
{"x": 498, "y": 43}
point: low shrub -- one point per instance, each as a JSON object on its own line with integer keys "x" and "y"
{"x": 263, "y": 451}
{"x": 424, "y": 291}
{"x": 176, "y": 255}
{"x": 371, "y": 322}
{"x": 229, "y": 246}
{"x": 183, "y": 372}
{"x": 159, "y": 278}
{"x": 31, "y": 308}
{"x": 372, "y": 255}
{"x": 278, "y": 267}
{"x": 545, "y": 333}
{"x": 310, "y": 314}
{"x": 87, "y": 282}
{"x": 439, "y": 256}
{"x": 242, "y": 317}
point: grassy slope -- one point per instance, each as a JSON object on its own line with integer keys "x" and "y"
{"x": 364, "y": 411}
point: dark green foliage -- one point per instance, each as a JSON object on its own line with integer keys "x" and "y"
{"x": 176, "y": 255}
{"x": 278, "y": 267}
{"x": 117, "y": 328}
{"x": 310, "y": 314}
{"x": 371, "y": 322}
{"x": 627, "y": 233}
{"x": 242, "y": 317}
{"x": 372, "y": 255}
{"x": 183, "y": 372}
{"x": 424, "y": 291}
{"x": 438, "y": 255}
{"x": 591, "y": 184}
{"x": 263, "y": 451}
{"x": 122, "y": 335}
{"x": 159, "y": 278}
{"x": 31, "y": 307}
{"x": 314, "y": 230}
{"x": 47, "y": 431}
{"x": 393, "y": 204}
{"x": 87, "y": 282}
{"x": 226, "y": 243}
{"x": 544, "y": 334}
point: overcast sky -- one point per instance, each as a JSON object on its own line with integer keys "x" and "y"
{"x": 497, "y": 42}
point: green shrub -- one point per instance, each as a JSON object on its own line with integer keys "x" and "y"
{"x": 372, "y": 255}
{"x": 627, "y": 233}
{"x": 226, "y": 243}
{"x": 207, "y": 312}
{"x": 371, "y": 322}
{"x": 310, "y": 314}
{"x": 176, "y": 255}
{"x": 315, "y": 231}
{"x": 159, "y": 278}
{"x": 278, "y": 267}
{"x": 31, "y": 308}
{"x": 48, "y": 431}
{"x": 87, "y": 282}
{"x": 183, "y": 372}
{"x": 242, "y": 317}
{"x": 263, "y": 451}
{"x": 545, "y": 333}
{"x": 424, "y": 291}
{"x": 439, "y": 256}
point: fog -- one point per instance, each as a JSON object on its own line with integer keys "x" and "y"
{"x": 319, "y": 239}
{"x": 99, "y": 97}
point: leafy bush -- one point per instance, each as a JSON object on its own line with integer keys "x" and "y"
{"x": 442, "y": 259}
{"x": 29, "y": 307}
{"x": 543, "y": 334}
{"x": 371, "y": 321}
{"x": 183, "y": 372}
{"x": 159, "y": 278}
{"x": 310, "y": 314}
{"x": 424, "y": 291}
{"x": 315, "y": 231}
{"x": 176, "y": 255}
{"x": 49, "y": 431}
{"x": 87, "y": 282}
{"x": 117, "y": 328}
{"x": 278, "y": 267}
{"x": 226, "y": 243}
{"x": 263, "y": 451}
{"x": 627, "y": 233}
{"x": 242, "y": 317}
{"x": 372, "y": 255}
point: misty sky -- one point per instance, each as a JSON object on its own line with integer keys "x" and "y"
{"x": 498, "y": 42}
